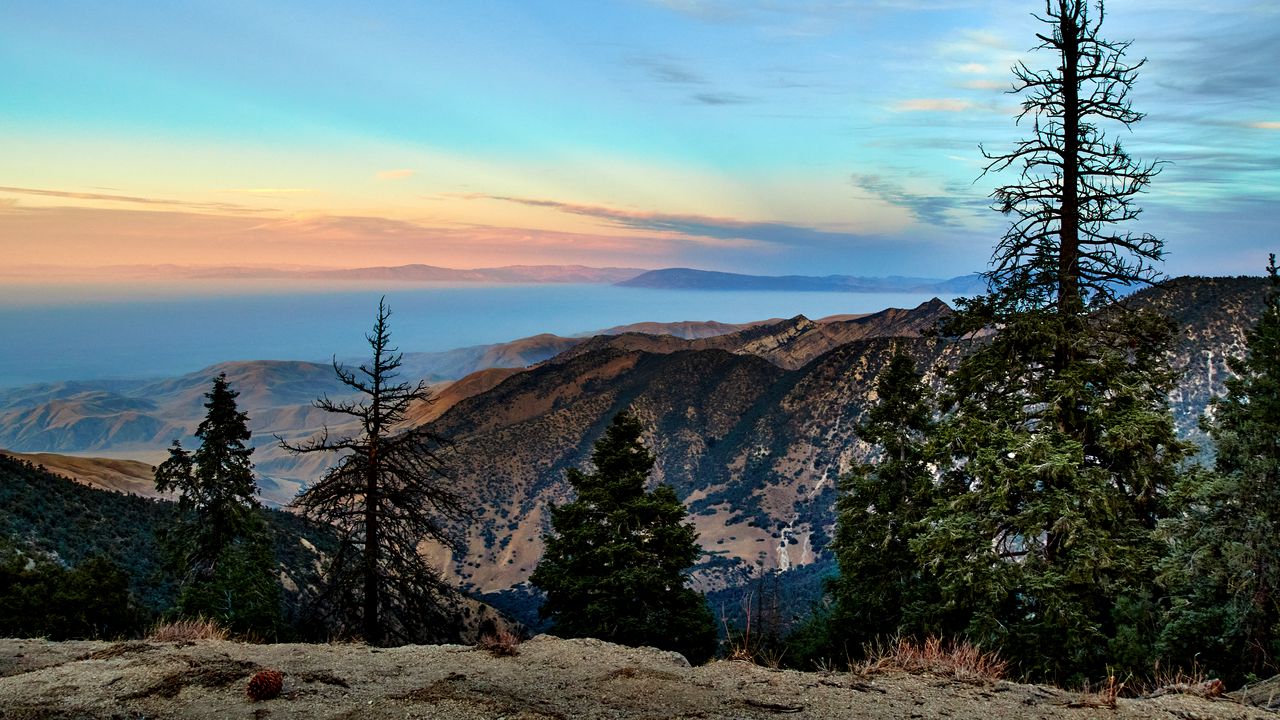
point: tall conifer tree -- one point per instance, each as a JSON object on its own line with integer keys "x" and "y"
{"x": 1059, "y": 426}
{"x": 615, "y": 566}
{"x": 881, "y": 590}
{"x": 221, "y": 542}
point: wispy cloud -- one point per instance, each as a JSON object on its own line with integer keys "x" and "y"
{"x": 950, "y": 105}
{"x": 399, "y": 174}
{"x": 736, "y": 11}
{"x": 985, "y": 85}
{"x": 720, "y": 231}
{"x": 710, "y": 10}
{"x": 722, "y": 98}
{"x": 665, "y": 69}
{"x": 193, "y": 205}
{"x": 1238, "y": 65}
{"x": 343, "y": 228}
{"x": 936, "y": 210}
{"x": 668, "y": 70}
{"x": 270, "y": 191}
{"x": 1265, "y": 125}
{"x": 105, "y": 236}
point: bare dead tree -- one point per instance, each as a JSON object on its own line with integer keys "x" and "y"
{"x": 389, "y": 492}
{"x": 1076, "y": 185}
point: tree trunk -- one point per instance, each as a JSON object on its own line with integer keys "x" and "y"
{"x": 372, "y": 581}
{"x": 372, "y": 626}
{"x": 1069, "y": 302}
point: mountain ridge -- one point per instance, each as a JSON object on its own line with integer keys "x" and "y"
{"x": 692, "y": 279}
{"x": 753, "y": 427}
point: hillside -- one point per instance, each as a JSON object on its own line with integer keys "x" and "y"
{"x": 1212, "y": 316}
{"x": 548, "y": 678}
{"x": 140, "y": 419}
{"x": 46, "y": 515}
{"x": 752, "y": 426}
{"x": 54, "y": 516}
{"x": 125, "y": 476}
{"x": 754, "y": 449}
{"x": 753, "y": 441}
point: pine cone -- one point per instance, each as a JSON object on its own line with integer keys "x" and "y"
{"x": 265, "y": 685}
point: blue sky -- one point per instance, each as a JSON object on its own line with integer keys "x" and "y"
{"x": 767, "y": 136}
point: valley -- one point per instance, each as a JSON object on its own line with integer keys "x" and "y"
{"x": 752, "y": 423}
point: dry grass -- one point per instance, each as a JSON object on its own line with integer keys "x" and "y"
{"x": 1185, "y": 682}
{"x": 958, "y": 660}
{"x": 500, "y": 643}
{"x": 744, "y": 647}
{"x": 186, "y": 630}
{"x": 1103, "y": 697}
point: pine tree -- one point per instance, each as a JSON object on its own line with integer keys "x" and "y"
{"x": 1224, "y": 570}
{"x": 1059, "y": 428}
{"x": 388, "y": 493}
{"x": 221, "y": 544}
{"x": 41, "y": 598}
{"x": 616, "y": 563}
{"x": 881, "y": 590}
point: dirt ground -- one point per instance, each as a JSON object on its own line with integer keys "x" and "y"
{"x": 548, "y": 678}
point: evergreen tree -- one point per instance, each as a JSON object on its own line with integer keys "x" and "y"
{"x": 1224, "y": 570}
{"x": 1059, "y": 427}
{"x": 388, "y": 493}
{"x": 40, "y": 598}
{"x": 881, "y": 590}
{"x": 221, "y": 542}
{"x": 616, "y": 563}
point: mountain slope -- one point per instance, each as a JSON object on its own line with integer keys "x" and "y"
{"x": 1212, "y": 316}
{"x": 125, "y": 476}
{"x": 52, "y": 515}
{"x": 752, "y": 427}
{"x": 753, "y": 446}
{"x": 145, "y": 417}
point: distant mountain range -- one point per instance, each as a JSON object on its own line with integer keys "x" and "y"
{"x": 688, "y": 279}
{"x": 752, "y": 424}
{"x": 104, "y": 421}
{"x": 669, "y": 278}
{"x": 520, "y": 274}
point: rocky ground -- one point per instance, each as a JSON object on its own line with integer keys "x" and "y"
{"x": 547, "y": 678}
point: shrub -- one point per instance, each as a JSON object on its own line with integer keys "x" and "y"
{"x": 500, "y": 643}
{"x": 187, "y": 629}
{"x": 957, "y": 659}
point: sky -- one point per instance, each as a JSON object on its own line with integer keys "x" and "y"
{"x": 760, "y": 136}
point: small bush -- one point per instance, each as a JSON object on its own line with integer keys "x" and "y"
{"x": 960, "y": 660}
{"x": 500, "y": 643}
{"x": 1165, "y": 681}
{"x": 188, "y": 629}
